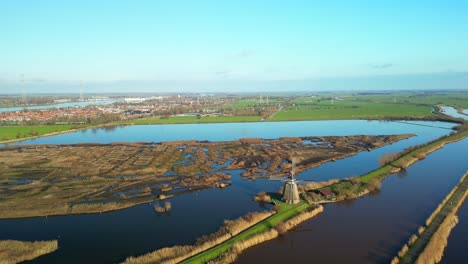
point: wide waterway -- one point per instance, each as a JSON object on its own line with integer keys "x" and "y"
{"x": 110, "y": 237}
{"x": 235, "y": 131}
{"x": 448, "y": 110}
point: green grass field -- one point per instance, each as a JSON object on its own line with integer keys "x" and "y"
{"x": 323, "y": 110}
{"x": 17, "y": 132}
{"x": 286, "y": 211}
{"x": 245, "y": 103}
{"x": 191, "y": 119}
{"x": 457, "y": 99}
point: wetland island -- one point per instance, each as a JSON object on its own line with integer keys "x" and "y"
{"x": 44, "y": 180}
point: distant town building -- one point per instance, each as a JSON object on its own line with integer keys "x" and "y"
{"x": 134, "y": 100}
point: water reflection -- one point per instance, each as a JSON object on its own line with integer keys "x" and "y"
{"x": 448, "y": 110}
{"x": 402, "y": 173}
{"x": 235, "y": 131}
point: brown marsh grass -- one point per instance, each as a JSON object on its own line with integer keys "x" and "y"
{"x": 318, "y": 185}
{"x": 240, "y": 246}
{"x": 162, "y": 209}
{"x": 296, "y": 220}
{"x": 434, "y": 250}
{"x": 272, "y": 233}
{"x": 262, "y": 197}
{"x": 12, "y": 251}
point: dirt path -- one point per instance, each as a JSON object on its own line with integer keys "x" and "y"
{"x": 273, "y": 114}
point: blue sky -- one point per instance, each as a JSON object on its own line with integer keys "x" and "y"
{"x": 232, "y": 45}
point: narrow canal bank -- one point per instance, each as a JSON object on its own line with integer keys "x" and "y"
{"x": 458, "y": 239}
{"x": 428, "y": 244}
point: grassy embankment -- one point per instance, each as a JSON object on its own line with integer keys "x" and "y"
{"x": 232, "y": 255}
{"x": 12, "y": 251}
{"x": 241, "y": 239}
{"x": 20, "y": 132}
{"x": 427, "y": 246}
{"x": 359, "y": 186}
{"x": 286, "y": 211}
{"x": 411, "y": 157}
{"x": 176, "y": 254}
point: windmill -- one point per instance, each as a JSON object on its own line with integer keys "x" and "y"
{"x": 290, "y": 191}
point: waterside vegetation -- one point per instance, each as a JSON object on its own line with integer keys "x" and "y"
{"x": 13, "y": 251}
{"x": 178, "y": 253}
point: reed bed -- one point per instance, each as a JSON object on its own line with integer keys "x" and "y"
{"x": 232, "y": 255}
{"x": 262, "y": 197}
{"x": 163, "y": 209}
{"x": 13, "y": 251}
{"x": 434, "y": 250}
{"x": 238, "y": 247}
{"x": 170, "y": 255}
{"x": 318, "y": 185}
{"x": 296, "y": 220}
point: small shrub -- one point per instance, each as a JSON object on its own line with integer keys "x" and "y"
{"x": 262, "y": 197}
{"x": 374, "y": 184}
{"x": 167, "y": 206}
{"x": 275, "y": 208}
{"x": 387, "y": 158}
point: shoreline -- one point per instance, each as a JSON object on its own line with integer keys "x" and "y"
{"x": 445, "y": 118}
{"x": 53, "y": 133}
{"x": 226, "y": 249}
{"x": 16, "y": 251}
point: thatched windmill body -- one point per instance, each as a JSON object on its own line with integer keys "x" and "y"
{"x": 290, "y": 192}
